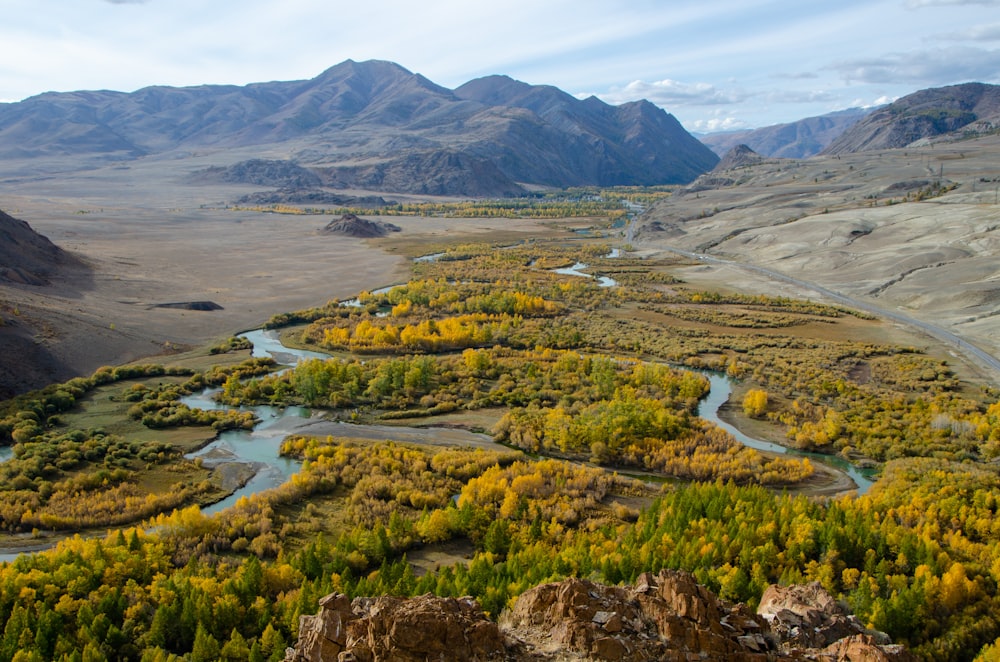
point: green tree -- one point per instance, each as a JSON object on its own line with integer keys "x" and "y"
{"x": 206, "y": 648}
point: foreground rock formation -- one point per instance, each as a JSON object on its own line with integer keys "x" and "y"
{"x": 667, "y": 616}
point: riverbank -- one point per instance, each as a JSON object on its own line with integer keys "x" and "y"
{"x": 826, "y": 481}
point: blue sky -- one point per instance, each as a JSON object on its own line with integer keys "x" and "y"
{"x": 715, "y": 64}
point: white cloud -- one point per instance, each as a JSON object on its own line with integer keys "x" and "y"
{"x": 669, "y": 93}
{"x": 920, "y": 4}
{"x": 929, "y": 67}
{"x": 976, "y": 33}
{"x": 716, "y": 124}
{"x": 870, "y": 103}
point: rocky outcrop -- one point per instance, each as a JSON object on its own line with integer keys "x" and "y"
{"x": 350, "y": 225}
{"x": 739, "y": 156}
{"x": 312, "y": 196}
{"x": 262, "y": 172}
{"x": 667, "y": 616}
{"x": 806, "y": 616}
{"x": 662, "y": 617}
{"x": 425, "y": 172}
{"x": 403, "y": 630}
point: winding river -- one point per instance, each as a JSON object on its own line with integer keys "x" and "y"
{"x": 721, "y": 389}
{"x": 258, "y": 448}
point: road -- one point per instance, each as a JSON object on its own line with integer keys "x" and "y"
{"x": 977, "y": 355}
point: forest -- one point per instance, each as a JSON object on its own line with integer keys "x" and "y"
{"x": 601, "y": 466}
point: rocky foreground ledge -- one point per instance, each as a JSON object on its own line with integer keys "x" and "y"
{"x": 667, "y": 616}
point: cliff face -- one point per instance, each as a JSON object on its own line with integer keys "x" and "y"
{"x": 667, "y": 616}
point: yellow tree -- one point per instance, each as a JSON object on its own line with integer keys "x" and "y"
{"x": 755, "y": 402}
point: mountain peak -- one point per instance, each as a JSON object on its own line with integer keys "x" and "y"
{"x": 378, "y": 121}
{"x": 738, "y": 157}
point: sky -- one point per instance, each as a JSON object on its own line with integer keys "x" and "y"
{"x": 714, "y": 64}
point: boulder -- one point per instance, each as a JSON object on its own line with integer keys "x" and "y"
{"x": 665, "y": 616}
{"x": 807, "y": 616}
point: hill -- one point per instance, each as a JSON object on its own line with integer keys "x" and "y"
{"x": 29, "y": 264}
{"x": 350, "y": 225}
{"x": 372, "y": 125}
{"x": 740, "y": 156}
{"x": 27, "y": 257}
{"x": 792, "y": 140}
{"x": 942, "y": 113}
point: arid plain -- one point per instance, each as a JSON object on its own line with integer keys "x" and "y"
{"x": 150, "y": 234}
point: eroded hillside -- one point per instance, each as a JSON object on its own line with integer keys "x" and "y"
{"x": 913, "y": 230}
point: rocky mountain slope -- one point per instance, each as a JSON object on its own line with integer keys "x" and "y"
{"x": 792, "y": 140}
{"x": 371, "y": 125}
{"x": 956, "y": 111}
{"x": 664, "y": 617}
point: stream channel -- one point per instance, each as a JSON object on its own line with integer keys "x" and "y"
{"x": 259, "y": 447}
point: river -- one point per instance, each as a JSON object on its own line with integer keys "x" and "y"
{"x": 260, "y": 447}
{"x": 721, "y": 389}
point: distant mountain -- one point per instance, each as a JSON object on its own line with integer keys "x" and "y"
{"x": 956, "y": 111}
{"x": 27, "y": 257}
{"x": 794, "y": 140}
{"x": 372, "y": 125}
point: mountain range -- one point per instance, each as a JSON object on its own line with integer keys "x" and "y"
{"x": 374, "y": 125}
{"x": 954, "y": 112}
{"x": 792, "y": 140}
{"x": 961, "y": 111}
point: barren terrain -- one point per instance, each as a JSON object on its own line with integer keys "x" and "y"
{"x": 151, "y": 237}
{"x": 853, "y": 224}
